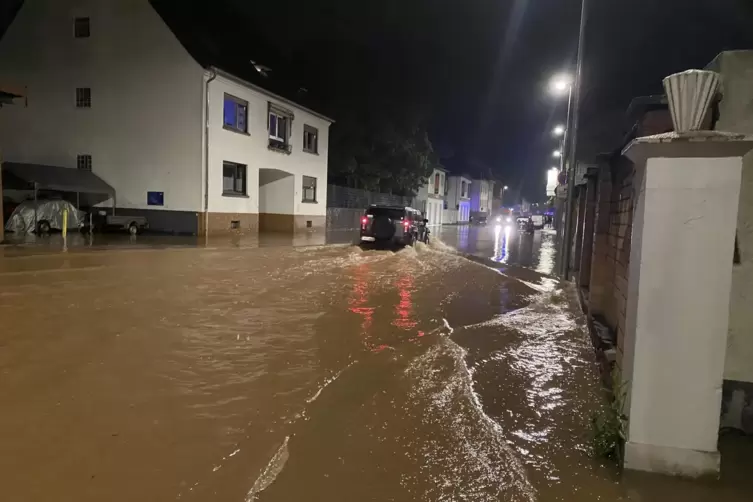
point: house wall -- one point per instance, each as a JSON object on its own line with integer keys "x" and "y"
{"x": 457, "y": 204}
{"x": 481, "y": 196}
{"x": 143, "y": 129}
{"x": 252, "y": 150}
{"x": 432, "y": 204}
{"x": 736, "y": 115}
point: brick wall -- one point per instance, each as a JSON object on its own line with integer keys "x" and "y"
{"x": 618, "y": 245}
{"x": 613, "y": 221}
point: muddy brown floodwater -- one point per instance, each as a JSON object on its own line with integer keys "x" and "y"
{"x": 296, "y": 374}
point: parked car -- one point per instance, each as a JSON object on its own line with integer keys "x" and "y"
{"x": 393, "y": 225}
{"x": 538, "y": 221}
{"x": 42, "y": 216}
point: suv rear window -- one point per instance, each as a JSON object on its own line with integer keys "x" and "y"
{"x": 394, "y": 214}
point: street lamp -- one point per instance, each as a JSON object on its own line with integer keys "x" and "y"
{"x": 559, "y": 130}
{"x": 557, "y": 154}
{"x": 502, "y": 202}
{"x": 560, "y": 84}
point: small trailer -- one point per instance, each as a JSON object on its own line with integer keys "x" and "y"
{"x": 133, "y": 224}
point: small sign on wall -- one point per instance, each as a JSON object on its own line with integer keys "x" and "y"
{"x": 155, "y": 198}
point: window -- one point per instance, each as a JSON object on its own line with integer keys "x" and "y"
{"x": 309, "y": 189}
{"x": 280, "y": 121}
{"x": 278, "y": 127}
{"x": 233, "y": 179}
{"x": 436, "y": 184}
{"x": 462, "y": 188}
{"x": 235, "y": 114}
{"x": 83, "y": 97}
{"x": 84, "y": 162}
{"x": 310, "y": 139}
{"x": 81, "y": 27}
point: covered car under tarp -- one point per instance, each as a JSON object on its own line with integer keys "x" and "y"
{"x": 28, "y": 215}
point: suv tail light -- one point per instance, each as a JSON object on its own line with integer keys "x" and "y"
{"x": 364, "y": 221}
{"x": 406, "y": 223}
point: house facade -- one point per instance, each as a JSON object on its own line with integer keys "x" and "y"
{"x": 191, "y": 147}
{"x": 481, "y": 197}
{"x": 431, "y": 196}
{"x": 458, "y": 200}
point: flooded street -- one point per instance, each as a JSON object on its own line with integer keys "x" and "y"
{"x": 304, "y": 373}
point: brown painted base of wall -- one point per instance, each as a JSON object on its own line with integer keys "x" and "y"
{"x": 289, "y": 223}
{"x": 246, "y": 223}
{"x": 220, "y": 223}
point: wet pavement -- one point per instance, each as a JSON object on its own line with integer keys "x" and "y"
{"x": 238, "y": 370}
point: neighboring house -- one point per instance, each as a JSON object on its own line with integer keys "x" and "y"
{"x": 458, "y": 200}
{"x": 481, "y": 197}
{"x": 111, "y": 89}
{"x": 430, "y": 197}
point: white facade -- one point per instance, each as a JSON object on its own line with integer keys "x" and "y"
{"x": 144, "y": 129}
{"x": 431, "y": 196}
{"x": 275, "y": 179}
{"x": 458, "y": 200}
{"x": 481, "y": 196}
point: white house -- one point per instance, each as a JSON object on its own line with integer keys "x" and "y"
{"x": 108, "y": 87}
{"x": 431, "y": 196}
{"x": 481, "y": 197}
{"x": 458, "y": 200}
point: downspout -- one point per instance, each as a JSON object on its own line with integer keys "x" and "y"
{"x": 206, "y": 152}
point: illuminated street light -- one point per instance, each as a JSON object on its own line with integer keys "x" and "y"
{"x": 557, "y": 154}
{"x": 560, "y": 84}
{"x": 505, "y": 188}
{"x": 559, "y": 130}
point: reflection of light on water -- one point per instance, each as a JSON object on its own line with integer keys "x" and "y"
{"x": 404, "y": 308}
{"x": 501, "y": 243}
{"x": 359, "y": 298}
{"x": 546, "y": 255}
{"x": 463, "y": 232}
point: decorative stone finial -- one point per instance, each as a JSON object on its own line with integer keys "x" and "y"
{"x": 690, "y": 94}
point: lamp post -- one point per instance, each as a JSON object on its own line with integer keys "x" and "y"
{"x": 504, "y": 189}
{"x": 559, "y": 85}
{"x": 573, "y": 142}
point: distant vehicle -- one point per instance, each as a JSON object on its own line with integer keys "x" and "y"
{"x": 133, "y": 224}
{"x": 393, "y": 225}
{"x": 479, "y": 219}
{"x": 503, "y": 218}
{"x": 43, "y": 216}
{"x": 538, "y": 221}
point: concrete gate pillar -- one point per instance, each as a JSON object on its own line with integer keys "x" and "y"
{"x": 685, "y": 214}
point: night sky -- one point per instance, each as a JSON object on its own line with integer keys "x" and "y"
{"x": 476, "y": 69}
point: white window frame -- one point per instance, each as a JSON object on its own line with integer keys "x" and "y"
{"x": 309, "y": 131}
{"x": 305, "y": 187}
{"x": 276, "y": 136}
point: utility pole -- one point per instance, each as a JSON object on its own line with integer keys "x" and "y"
{"x": 570, "y": 164}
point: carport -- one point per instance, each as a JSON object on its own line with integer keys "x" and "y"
{"x": 36, "y": 177}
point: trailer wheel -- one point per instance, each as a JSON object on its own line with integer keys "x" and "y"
{"x": 133, "y": 228}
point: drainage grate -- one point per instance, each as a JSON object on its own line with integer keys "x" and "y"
{"x": 235, "y": 225}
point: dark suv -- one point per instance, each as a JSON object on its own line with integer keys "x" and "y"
{"x": 390, "y": 224}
